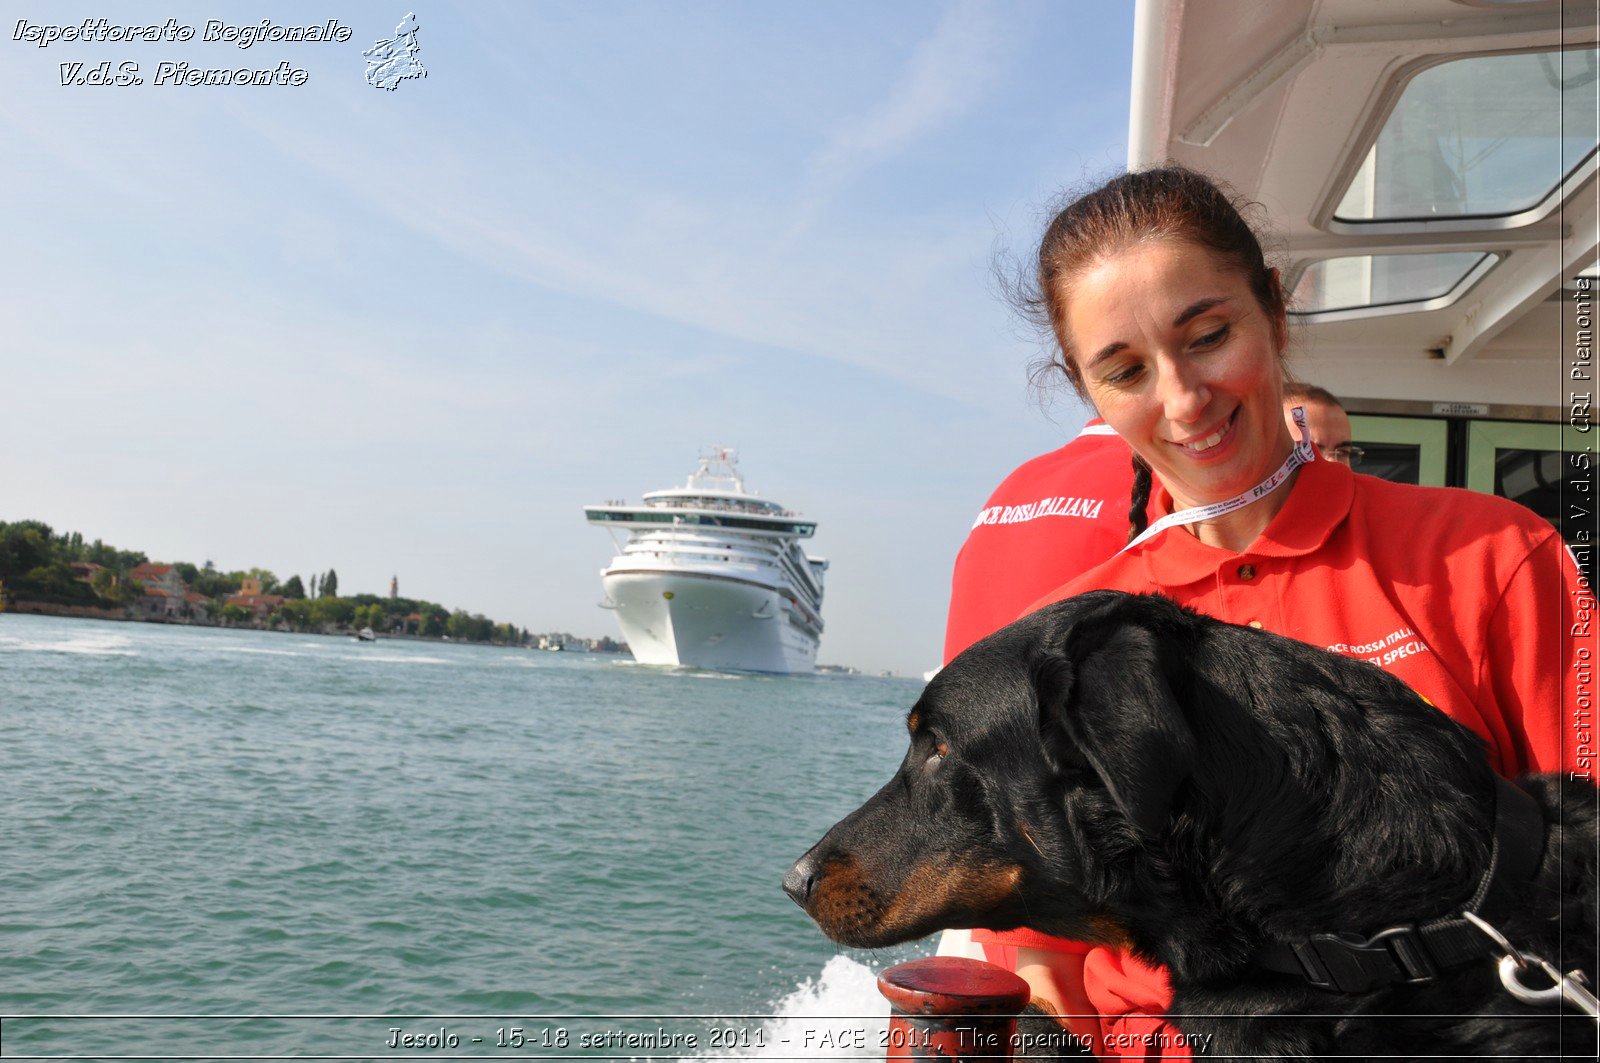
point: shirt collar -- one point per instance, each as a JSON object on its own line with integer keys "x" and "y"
{"x": 1319, "y": 501}
{"x": 1095, "y": 427}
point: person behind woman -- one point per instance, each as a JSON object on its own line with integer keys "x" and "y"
{"x": 1171, "y": 324}
{"x": 1327, "y": 420}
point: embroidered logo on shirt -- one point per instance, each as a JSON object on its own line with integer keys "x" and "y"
{"x": 1385, "y": 651}
{"x": 1087, "y": 508}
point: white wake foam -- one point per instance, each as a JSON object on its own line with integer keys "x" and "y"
{"x": 261, "y": 652}
{"x": 391, "y": 658}
{"x": 838, "y": 1015}
{"x": 93, "y": 645}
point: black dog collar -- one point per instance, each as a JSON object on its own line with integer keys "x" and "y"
{"x": 1412, "y": 952}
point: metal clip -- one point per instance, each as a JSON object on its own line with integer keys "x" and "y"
{"x": 1570, "y": 988}
{"x": 1487, "y": 929}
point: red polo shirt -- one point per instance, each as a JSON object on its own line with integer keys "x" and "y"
{"x": 1054, "y": 518}
{"x": 1472, "y": 600}
{"x": 1468, "y": 598}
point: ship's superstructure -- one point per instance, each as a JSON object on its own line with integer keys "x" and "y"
{"x": 713, "y": 576}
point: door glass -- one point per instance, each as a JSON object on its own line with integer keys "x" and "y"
{"x": 1533, "y": 478}
{"x": 1397, "y": 462}
{"x": 1406, "y": 450}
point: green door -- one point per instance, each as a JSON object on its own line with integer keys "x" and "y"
{"x": 1527, "y": 463}
{"x": 1407, "y": 450}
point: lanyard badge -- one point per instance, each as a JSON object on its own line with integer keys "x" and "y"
{"x": 1302, "y": 454}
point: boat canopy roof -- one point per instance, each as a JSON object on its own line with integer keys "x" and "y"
{"x": 1428, "y": 170}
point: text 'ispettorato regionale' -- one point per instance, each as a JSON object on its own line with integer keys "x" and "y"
{"x": 175, "y": 72}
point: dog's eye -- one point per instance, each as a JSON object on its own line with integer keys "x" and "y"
{"x": 940, "y": 751}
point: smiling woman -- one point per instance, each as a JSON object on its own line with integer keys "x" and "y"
{"x": 1187, "y": 371}
{"x": 1170, "y": 323}
{"x": 1173, "y": 326}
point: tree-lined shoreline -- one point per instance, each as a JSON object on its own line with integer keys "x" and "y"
{"x": 42, "y": 570}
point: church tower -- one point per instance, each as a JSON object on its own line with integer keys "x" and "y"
{"x": 394, "y": 587}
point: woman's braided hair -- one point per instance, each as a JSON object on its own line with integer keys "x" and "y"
{"x": 1168, "y": 203}
{"x": 1138, "y": 518}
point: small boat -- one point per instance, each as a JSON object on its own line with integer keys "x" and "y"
{"x": 366, "y": 634}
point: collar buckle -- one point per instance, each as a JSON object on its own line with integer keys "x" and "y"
{"x": 1347, "y": 964}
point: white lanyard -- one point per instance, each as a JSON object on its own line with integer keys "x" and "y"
{"x": 1300, "y": 455}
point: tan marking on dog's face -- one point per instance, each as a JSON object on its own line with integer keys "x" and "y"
{"x": 931, "y": 892}
{"x": 913, "y": 721}
{"x": 843, "y": 899}
{"x": 850, "y": 907}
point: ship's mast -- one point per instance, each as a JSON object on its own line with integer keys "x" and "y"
{"x": 718, "y": 471}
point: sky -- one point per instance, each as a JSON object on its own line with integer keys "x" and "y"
{"x": 414, "y": 332}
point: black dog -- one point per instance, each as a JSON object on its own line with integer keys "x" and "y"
{"x": 1246, "y": 809}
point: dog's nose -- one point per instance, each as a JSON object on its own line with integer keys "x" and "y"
{"x": 800, "y": 879}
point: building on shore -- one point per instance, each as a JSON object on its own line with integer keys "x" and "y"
{"x": 166, "y": 596}
{"x": 260, "y": 606}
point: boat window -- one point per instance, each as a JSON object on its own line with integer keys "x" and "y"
{"x": 1408, "y": 282}
{"x": 1487, "y": 136}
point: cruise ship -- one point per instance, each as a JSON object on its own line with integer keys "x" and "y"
{"x": 713, "y": 576}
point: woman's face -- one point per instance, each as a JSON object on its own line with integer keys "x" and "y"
{"x": 1182, "y": 361}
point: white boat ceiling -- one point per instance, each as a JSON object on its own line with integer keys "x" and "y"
{"x": 1285, "y": 100}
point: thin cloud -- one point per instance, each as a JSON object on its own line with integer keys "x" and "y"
{"x": 856, "y": 297}
{"x": 944, "y": 79}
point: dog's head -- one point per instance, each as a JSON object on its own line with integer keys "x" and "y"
{"x": 1113, "y": 759}
{"x": 1072, "y": 706}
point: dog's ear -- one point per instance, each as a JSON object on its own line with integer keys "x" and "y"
{"x": 1105, "y": 702}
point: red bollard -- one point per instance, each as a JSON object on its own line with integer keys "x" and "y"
{"x": 950, "y": 1008}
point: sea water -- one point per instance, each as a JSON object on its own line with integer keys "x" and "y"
{"x": 238, "y": 843}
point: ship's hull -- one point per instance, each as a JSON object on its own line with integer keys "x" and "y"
{"x": 705, "y": 620}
